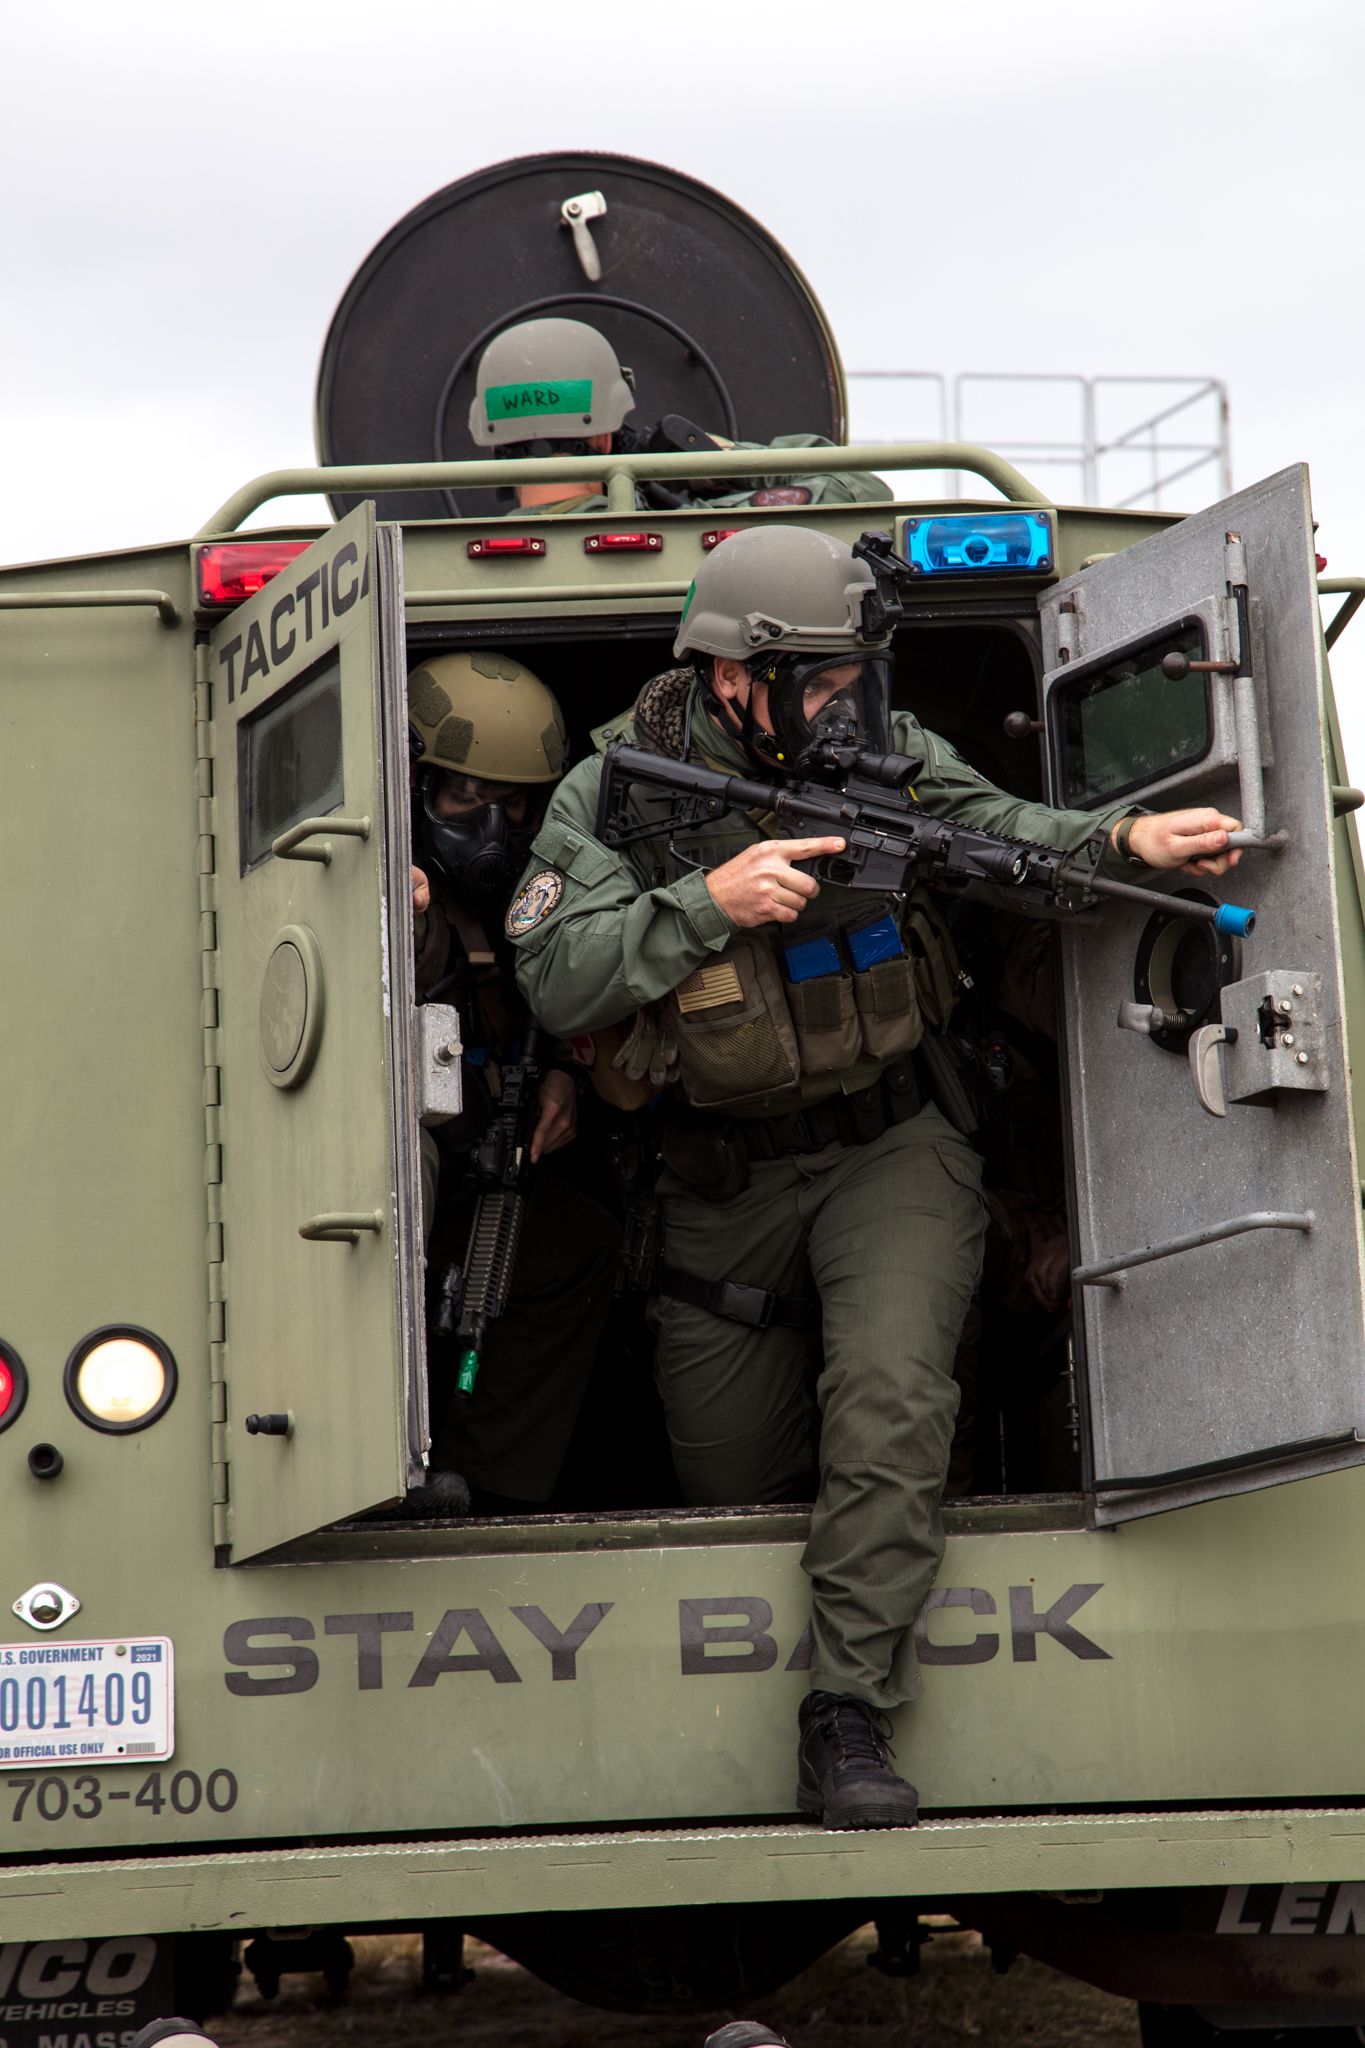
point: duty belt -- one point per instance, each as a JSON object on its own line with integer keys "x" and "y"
{"x": 893, "y": 1098}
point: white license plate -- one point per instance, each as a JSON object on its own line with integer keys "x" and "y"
{"x": 108, "y": 1702}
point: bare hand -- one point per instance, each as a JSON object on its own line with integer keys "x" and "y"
{"x": 558, "y": 1122}
{"x": 1176, "y": 839}
{"x": 421, "y": 890}
{"x": 760, "y": 885}
{"x": 1048, "y": 1277}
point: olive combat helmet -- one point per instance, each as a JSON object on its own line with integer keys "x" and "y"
{"x": 546, "y": 382}
{"x": 481, "y": 717}
{"x": 793, "y": 604}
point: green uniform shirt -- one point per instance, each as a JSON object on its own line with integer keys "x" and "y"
{"x": 616, "y": 930}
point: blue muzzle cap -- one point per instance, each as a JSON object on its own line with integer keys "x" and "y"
{"x": 1230, "y": 917}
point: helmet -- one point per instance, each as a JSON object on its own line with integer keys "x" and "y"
{"x": 792, "y": 604}
{"x": 555, "y": 377}
{"x": 779, "y": 589}
{"x": 482, "y": 717}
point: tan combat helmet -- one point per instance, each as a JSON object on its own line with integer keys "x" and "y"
{"x": 480, "y": 713}
{"x": 555, "y": 379}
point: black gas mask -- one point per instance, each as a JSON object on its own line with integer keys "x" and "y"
{"x": 820, "y": 706}
{"x": 479, "y": 854}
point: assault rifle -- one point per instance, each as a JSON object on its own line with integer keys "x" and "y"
{"x": 890, "y": 841}
{"x": 503, "y": 1162}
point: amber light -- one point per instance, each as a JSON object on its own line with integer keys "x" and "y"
{"x": 231, "y": 571}
{"x": 505, "y": 544}
{"x": 716, "y": 535}
{"x": 624, "y": 543}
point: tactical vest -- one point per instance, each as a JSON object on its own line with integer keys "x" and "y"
{"x": 795, "y": 1011}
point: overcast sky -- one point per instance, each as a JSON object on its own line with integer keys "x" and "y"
{"x": 1012, "y": 185}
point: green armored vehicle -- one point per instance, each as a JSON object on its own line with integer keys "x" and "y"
{"x": 239, "y": 1701}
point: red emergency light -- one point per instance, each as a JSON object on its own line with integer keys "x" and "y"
{"x": 505, "y": 544}
{"x": 623, "y": 543}
{"x": 230, "y": 571}
{"x": 716, "y": 535}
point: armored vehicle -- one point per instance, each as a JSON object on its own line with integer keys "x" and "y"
{"x": 1137, "y": 1750}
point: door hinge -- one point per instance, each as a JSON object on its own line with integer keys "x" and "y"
{"x": 216, "y": 1291}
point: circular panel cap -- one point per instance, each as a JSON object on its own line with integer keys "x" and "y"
{"x": 491, "y": 249}
{"x": 293, "y": 1002}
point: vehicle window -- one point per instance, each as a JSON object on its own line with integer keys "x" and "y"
{"x": 1127, "y": 723}
{"x": 291, "y": 765}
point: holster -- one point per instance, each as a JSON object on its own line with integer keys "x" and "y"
{"x": 707, "y": 1154}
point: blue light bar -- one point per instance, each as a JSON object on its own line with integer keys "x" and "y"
{"x": 979, "y": 544}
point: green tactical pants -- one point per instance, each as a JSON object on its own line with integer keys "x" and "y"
{"x": 889, "y": 1236}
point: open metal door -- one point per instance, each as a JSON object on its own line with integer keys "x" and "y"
{"x": 320, "y": 1189}
{"x": 1221, "y": 1113}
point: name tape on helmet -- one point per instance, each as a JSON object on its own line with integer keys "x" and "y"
{"x": 538, "y": 401}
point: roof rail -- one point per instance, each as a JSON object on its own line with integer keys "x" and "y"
{"x": 620, "y": 473}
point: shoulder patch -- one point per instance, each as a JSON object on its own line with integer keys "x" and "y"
{"x": 533, "y": 903}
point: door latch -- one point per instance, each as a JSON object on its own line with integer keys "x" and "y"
{"x": 437, "y": 1055}
{"x": 575, "y": 213}
{"x": 1206, "y": 1066}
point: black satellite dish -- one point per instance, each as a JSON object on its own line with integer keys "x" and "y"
{"x": 710, "y": 313}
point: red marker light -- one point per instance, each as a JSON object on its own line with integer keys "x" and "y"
{"x": 1321, "y": 561}
{"x": 228, "y": 572}
{"x": 622, "y": 543}
{"x": 13, "y": 1385}
{"x": 505, "y": 544}
{"x": 717, "y": 534}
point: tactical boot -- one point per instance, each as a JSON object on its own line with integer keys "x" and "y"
{"x": 845, "y": 1769}
{"x": 446, "y": 1494}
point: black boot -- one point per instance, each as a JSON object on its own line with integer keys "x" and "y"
{"x": 845, "y": 1769}
{"x": 444, "y": 1496}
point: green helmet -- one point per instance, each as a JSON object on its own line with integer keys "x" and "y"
{"x": 548, "y": 379}
{"x": 482, "y": 714}
{"x": 808, "y": 621}
{"x": 779, "y": 590}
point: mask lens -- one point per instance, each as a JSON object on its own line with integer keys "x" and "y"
{"x": 834, "y": 701}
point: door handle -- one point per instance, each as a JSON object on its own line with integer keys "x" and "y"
{"x": 341, "y": 1226}
{"x": 1110, "y": 1272}
{"x": 289, "y": 847}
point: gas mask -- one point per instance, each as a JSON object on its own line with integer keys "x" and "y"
{"x": 810, "y": 715}
{"x": 479, "y": 853}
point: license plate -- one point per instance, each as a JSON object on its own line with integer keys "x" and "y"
{"x": 110, "y": 1702}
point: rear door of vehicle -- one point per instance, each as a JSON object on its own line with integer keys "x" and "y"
{"x": 1238, "y": 1362}
{"x": 320, "y": 1197}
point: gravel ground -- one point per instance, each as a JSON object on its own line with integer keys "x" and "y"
{"x": 838, "y": 2003}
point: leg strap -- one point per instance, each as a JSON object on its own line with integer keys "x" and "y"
{"x": 758, "y": 1307}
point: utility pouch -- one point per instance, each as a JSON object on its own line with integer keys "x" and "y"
{"x": 820, "y": 997}
{"x": 707, "y": 1154}
{"x": 621, "y": 1090}
{"x": 884, "y": 987}
{"x": 735, "y": 1037}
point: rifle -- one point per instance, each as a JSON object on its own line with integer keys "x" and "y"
{"x": 503, "y": 1162}
{"x": 890, "y": 840}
